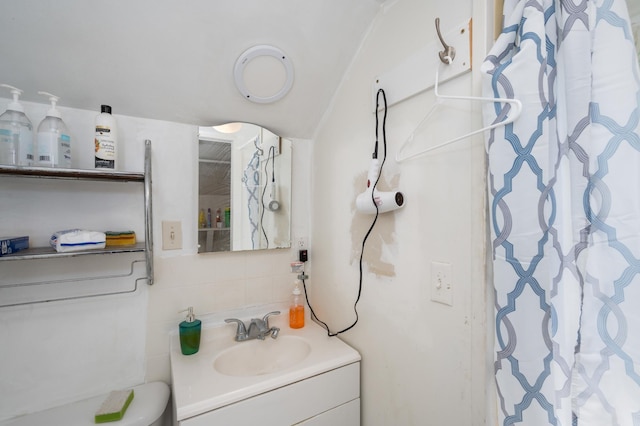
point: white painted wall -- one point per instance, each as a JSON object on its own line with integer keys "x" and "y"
{"x": 422, "y": 362}
{"x": 59, "y": 352}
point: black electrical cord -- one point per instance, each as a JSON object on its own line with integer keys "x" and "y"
{"x": 270, "y": 155}
{"x": 375, "y": 219}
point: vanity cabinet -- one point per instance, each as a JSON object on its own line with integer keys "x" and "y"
{"x": 327, "y": 399}
{"x": 47, "y": 252}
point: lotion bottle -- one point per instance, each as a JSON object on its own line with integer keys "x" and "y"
{"x": 16, "y": 133}
{"x": 190, "y": 330}
{"x": 53, "y": 143}
{"x": 106, "y": 140}
{"x": 296, "y": 308}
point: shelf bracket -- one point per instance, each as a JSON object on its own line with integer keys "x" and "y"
{"x": 148, "y": 214}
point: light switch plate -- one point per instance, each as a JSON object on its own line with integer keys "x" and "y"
{"x": 171, "y": 235}
{"x": 441, "y": 283}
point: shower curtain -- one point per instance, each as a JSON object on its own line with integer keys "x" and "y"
{"x": 564, "y": 198}
{"x": 251, "y": 183}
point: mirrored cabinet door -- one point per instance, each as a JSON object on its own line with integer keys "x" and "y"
{"x": 244, "y": 198}
{"x": 634, "y": 16}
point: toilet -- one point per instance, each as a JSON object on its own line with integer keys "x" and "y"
{"x": 149, "y": 403}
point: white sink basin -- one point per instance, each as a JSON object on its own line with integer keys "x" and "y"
{"x": 225, "y": 371}
{"x": 258, "y": 357}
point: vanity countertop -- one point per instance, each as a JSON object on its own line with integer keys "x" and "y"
{"x": 198, "y": 387}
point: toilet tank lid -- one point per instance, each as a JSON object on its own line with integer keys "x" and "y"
{"x": 149, "y": 402}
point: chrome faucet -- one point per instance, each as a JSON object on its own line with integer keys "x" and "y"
{"x": 258, "y": 328}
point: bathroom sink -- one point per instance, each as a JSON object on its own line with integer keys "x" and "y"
{"x": 224, "y": 371}
{"x": 258, "y": 357}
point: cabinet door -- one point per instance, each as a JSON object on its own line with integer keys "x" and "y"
{"x": 345, "y": 415}
{"x": 291, "y": 404}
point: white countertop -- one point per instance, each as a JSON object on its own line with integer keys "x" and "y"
{"x": 198, "y": 387}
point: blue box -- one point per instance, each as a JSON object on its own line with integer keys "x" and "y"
{"x": 9, "y": 245}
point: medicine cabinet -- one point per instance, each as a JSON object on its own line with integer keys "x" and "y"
{"x": 244, "y": 189}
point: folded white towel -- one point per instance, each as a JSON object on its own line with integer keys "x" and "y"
{"x": 77, "y": 239}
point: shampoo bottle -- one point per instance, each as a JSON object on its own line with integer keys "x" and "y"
{"x": 296, "y": 308}
{"x": 16, "y": 133}
{"x": 218, "y": 219}
{"x": 53, "y": 143}
{"x": 106, "y": 139}
{"x": 190, "y": 333}
{"x": 227, "y": 217}
{"x": 202, "y": 223}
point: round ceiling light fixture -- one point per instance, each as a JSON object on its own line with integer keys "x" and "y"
{"x": 263, "y": 74}
{"x": 228, "y": 128}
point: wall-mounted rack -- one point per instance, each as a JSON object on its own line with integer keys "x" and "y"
{"x": 36, "y": 253}
{"x": 415, "y": 74}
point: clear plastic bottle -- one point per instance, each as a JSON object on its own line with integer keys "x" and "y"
{"x": 53, "y": 143}
{"x": 16, "y": 133}
{"x": 296, "y": 308}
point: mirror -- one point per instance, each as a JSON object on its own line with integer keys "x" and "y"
{"x": 634, "y": 16}
{"x": 244, "y": 194}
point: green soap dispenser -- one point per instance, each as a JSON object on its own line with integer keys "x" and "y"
{"x": 190, "y": 333}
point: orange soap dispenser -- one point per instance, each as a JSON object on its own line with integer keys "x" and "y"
{"x": 296, "y": 308}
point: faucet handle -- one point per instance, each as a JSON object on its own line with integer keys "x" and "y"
{"x": 241, "y": 331}
{"x": 266, "y": 317}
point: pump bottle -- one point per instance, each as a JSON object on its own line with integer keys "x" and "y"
{"x": 53, "y": 143}
{"x": 106, "y": 140}
{"x": 296, "y": 308}
{"x": 190, "y": 330}
{"x": 16, "y": 133}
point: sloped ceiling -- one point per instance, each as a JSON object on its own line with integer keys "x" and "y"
{"x": 173, "y": 59}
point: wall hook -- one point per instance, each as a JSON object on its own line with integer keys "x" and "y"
{"x": 449, "y": 52}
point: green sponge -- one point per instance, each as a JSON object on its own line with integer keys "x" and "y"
{"x": 113, "y": 408}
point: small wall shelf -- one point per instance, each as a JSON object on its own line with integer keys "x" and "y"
{"x": 53, "y": 173}
{"x": 35, "y": 253}
{"x": 49, "y": 252}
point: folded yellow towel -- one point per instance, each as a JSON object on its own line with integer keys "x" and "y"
{"x": 125, "y": 238}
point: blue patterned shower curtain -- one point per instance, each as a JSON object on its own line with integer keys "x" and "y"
{"x": 251, "y": 183}
{"x": 564, "y": 195}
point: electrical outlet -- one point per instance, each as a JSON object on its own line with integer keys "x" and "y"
{"x": 441, "y": 283}
{"x": 171, "y": 235}
{"x": 302, "y": 243}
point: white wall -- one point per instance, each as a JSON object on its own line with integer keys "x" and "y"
{"x": 58, "y": 352}
{"x": 422, "y": 362}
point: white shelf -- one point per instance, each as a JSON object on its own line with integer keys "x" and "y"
{"x": 35, "y": 253}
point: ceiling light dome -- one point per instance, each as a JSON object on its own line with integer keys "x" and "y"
{"x": 228, "y": 128}
{"x": 263, "y": 74}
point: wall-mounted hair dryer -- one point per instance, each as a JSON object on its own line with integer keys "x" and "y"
{"x": 274, "y": 204}
{"x": 385, "y": 200}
